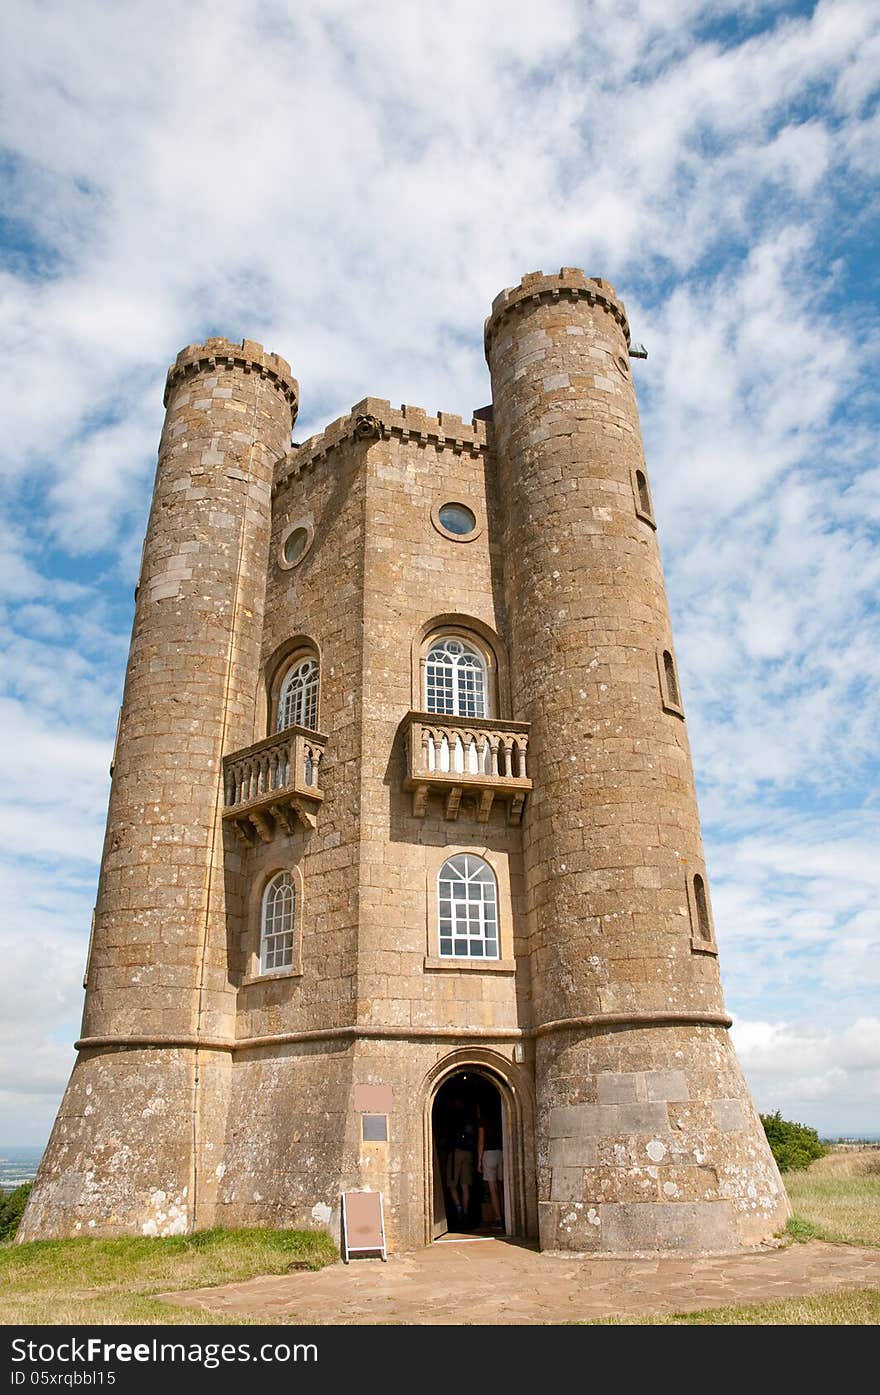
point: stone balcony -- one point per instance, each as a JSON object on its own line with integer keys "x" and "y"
{"x": 470, "y": 762}
{"x": 273, "y": 784}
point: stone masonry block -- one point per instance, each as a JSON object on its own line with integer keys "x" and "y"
{"x": 567, "y": 1184}
{"x": 665, "y": 1085}
{"x": 572, "y": 1152}
{"x": 695, "y": 1226}
{"x": 616, "y": 1088}
{"x": 574, "y": 1120}
{"x": 628, "y": 1225}
{"x": 638, "y": 1118}
{"x": 730, "y": 1115}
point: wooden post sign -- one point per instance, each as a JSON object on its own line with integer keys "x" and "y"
{"x": 363, "y": 1224}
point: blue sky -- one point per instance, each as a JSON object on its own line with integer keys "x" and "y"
{"x": 352, "y": 186}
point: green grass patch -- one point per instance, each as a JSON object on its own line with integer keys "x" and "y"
{"x": 113, "y": 1281}
{"x": 800, "y": 1229}
{"x": 849, "y": 1307}
{"x": 837, "y": 1199}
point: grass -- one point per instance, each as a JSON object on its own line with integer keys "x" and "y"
{"x": 851, "y": 1307}
{"x": 837, "y": 1198}
{"x": 113, "y": 1281}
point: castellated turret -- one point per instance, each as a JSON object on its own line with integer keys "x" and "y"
{"x": 403, "y": 886}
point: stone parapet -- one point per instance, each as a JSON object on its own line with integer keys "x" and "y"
{"x": 570, "y": 284}
{"x": 467, "y": 759}
{"x": 223, "y": 353}
{"x": 373, "y": 418}
{"x": 273, "y": 783}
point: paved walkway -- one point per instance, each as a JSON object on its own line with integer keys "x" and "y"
{"x": 500, "y": 1281}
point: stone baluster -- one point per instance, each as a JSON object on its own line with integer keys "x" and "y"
{"x": 494, "y": 743}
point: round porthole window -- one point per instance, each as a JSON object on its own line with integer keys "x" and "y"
{"x": 295, "y": 544}
{"x": 457, "y": 519}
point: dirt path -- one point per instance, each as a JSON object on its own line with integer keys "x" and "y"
{"x": 499, "y": 1281}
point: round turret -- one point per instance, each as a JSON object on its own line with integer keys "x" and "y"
{"x": 632, "y": 1048}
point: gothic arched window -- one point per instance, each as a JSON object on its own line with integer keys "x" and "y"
{"x": 298, "y": 699}
{"x": 467, "y": 896}
{"x": 277, "y": 924}
{"x": 455, "y": 678}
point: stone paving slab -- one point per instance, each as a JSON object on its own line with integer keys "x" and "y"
{"x": 500, "y": 1281}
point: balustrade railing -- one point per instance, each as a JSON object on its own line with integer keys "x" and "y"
{"x": 273, "y": 781}
{"x": 483, "y": 757}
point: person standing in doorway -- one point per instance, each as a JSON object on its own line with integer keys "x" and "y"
{"x": 490, "y": 1162}
{"x": 460, "y": 1167}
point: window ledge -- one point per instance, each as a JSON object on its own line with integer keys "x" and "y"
{"x": 701, "y": 946}
{"x": 492, "y": 966}
{"x": 271, "y": 976}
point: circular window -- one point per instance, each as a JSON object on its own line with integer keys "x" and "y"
{"x": 457, "y": 519}
{"x": 295, "y": 543}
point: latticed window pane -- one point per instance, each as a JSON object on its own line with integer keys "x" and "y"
{"x": 455, "y": 679}
{"x": 467, "y": 903}
{"x": 276, "y": 940}
{"x": 298, "y": 702}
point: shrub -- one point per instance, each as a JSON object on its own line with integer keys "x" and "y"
{"x": 794, "y": 1146}
{"x": 12, "y": 1206}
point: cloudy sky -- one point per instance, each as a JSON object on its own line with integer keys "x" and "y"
{"x": 351, "y": 184}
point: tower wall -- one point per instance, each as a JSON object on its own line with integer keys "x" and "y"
{"x": 647, "y": 1137}
{"x": 286, "y": 1155}
{"x": 376, "y": 574}
{"x": 210, "y": 1091}
{"x": 144, "y": 1107}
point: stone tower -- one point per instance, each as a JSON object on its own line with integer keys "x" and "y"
{"x": 403, "y": 847}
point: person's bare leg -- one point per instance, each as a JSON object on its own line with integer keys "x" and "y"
{"x": 495, "y": 1197}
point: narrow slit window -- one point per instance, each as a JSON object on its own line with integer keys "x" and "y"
{"x": 671, "y": 680}
{"x": 643, "y": 495}
{"x": 703, "y": 923}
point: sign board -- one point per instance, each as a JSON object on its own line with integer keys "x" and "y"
{"x": 363, "y": 1224}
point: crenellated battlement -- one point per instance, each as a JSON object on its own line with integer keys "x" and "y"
{"x": 223, "y": 353}
{"x": 570, "y": 283}
{"x": 374, "y": 417}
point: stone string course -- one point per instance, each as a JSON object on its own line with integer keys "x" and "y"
{"x": 208, "y": 1093}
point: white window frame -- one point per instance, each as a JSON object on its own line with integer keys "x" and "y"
{"x": 299, "y": 708}
{"x": 475, "y": 911}
{"x": 281, "y": 927}
{"x": 446, "y": 679}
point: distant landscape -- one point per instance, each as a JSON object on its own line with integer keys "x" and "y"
{"x": 18, "y": 1165}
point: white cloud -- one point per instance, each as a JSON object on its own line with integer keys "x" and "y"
{"x": 827, "y": 1078}
{"x": 352, "y": 188}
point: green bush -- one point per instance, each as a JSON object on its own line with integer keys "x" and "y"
{"x": 12, "y": 1206}
{"x": 794, "y": 1146}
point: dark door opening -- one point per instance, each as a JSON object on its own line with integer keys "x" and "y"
{"x": 467, "y": 1127}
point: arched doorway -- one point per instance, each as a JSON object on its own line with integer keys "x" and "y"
{"x": 466, "y": 1098}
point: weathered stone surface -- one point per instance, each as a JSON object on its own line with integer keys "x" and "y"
{"x": 208, "y": 1091}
